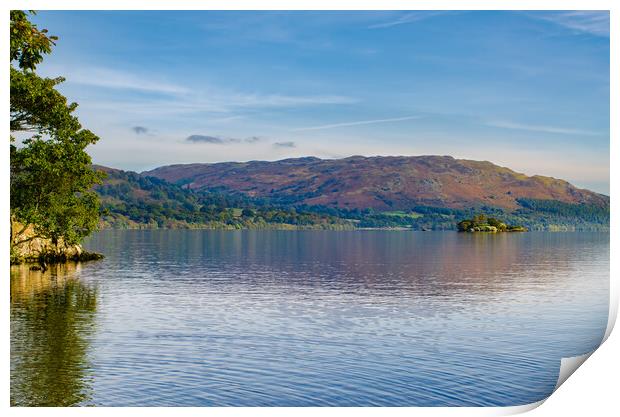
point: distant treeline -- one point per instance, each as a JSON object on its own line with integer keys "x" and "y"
{"x": 131, "y": 200}
{"x": 558, "y": 209}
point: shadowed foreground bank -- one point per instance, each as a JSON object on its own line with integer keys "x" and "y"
{"x": 30, "y": 248}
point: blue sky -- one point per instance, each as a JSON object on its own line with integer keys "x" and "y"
{"x": 527, "y": 90}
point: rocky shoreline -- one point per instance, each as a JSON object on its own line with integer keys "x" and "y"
{"x": 28, "y": 248}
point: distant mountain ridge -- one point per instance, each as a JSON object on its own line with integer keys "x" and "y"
{"x": 415, "y": 193}
{"x": 380, "y": 183}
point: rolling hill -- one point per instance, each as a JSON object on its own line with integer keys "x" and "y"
{"x": 380, "y": 183}
{"x": 418, "y": 193}
{"x": 131, "y": 200}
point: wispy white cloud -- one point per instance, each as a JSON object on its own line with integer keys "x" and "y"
{"x": 113, "y": 79}
{"x": 357, "y": 123}
{"x": 410, "y": 17}
{"x": 278, "y": 100}
{"x": 221, "y": 103}
{"x": 540, "y": 128}
{"x": 226, "y": 119}
{"x": 584, "y": 21}
{"x": 177, "y": 98}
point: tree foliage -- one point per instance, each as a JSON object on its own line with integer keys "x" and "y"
{"x": 132, "y": 200}
{"x": 482, "y": 223}
{"x": 588, "y": 212}
{"x": 51, "y": 174}
{"x": 28, "y": 43}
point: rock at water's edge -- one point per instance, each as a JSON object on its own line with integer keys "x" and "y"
{"x": 26, "y": 248}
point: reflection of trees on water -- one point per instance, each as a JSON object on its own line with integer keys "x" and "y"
{"x": 52, "y": 319}
{"x": 380, "y": 261}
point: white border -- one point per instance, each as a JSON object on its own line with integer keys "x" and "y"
{"x": 594, "y": 387}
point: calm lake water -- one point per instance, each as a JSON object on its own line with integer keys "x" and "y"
{"x": 296, "y": 318}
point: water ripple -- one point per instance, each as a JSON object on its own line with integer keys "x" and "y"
{"x": 207, "y": 318}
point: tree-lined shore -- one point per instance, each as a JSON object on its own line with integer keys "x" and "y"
{"x": 51, "y": 178}
{"x": 136, "y": 201}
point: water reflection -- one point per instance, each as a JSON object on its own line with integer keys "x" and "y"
{"x": 52, "y": 321}
{"x": 210, "y": 318}
{"x": 421, "y": 264}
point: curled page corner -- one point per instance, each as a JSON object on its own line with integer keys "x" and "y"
{"x": 568, "y": 366}
{"x": 613, "y": 313}
{"x": 518, "y": 409}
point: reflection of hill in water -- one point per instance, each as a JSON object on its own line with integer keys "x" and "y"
{"x": 375, "y": 262}
{"x": 52, "y": 317}
{"x": 339, "y": 318}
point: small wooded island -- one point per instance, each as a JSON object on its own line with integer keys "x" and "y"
{"x": 481, "y": 223}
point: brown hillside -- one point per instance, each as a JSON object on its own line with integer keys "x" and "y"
{"x": 395, "y": 182}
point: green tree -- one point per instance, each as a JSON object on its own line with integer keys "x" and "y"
{"x": 479, "y": 218}
{"x": 51, "y": 177}
{"x": 497, "y": 223}
{"x": 464, "y": 225}
{"x": 247, "y": 212}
